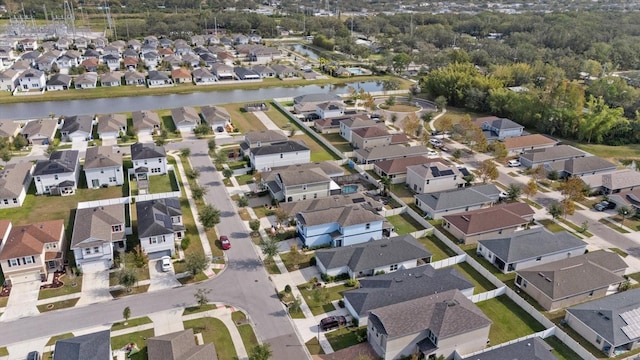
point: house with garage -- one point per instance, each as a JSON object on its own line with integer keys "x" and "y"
{"x": 264, "y": 71}
{"x": 431, "y": 326}
{"x": 59, "y": 82}
{"x": 158, "y": 79}
{"x": 335, "y": 200}
{"x": 613, "y": 182}
{"x": 130, "y": 63}
{"x": 610, "y": 323}
{"x": 437, "y": 204}
{"x": 396, "y": 169}
{"x": 284, "y": 71}
{"x": 471, "y": 226}
{"x": 369, "y": 137}
{"x": 302, "y": 181}
{"x": 381, "y": 153}
{"x": 181, "y": 76}
{"x": 110, "y": 79}
{"x": 133, "y": 77}
{"x": 90, "y": 65}
{"x": 202, "y": 76}
{"x": 223, "y": 72}
{"x": 146, "y": 122}
{"x": 98, "y": 234}
{"x": 28, "y": 44}
{"x": 31, "y": 252}
{"x": 40, "y": 132}
{"x": 160, "y": 226}
{"x": 540, "y": 157}
{"x": 68, "y": 60}
{"x": 111, "y": 126}
{"x": 185, "y": 118}
{"x": 9, "y": 129}
{"x": 519, "y": 144}
{"x": 579, "y": 167}
{"x": 86, "y": 81}
{"x": 373, "y": 257}
{"x": 63, "y": 43}
{"x": 332, "y": 125}
{"x": 9, "y": 80}
{"x": 59, "y": 175}
{"x": 93, "y": 346}
{"x": 305, "y": 104}
{"x": 112, "y": 62}
{"x": 256, "y": 139}
{"x": 570, "y": 281}
{"x": 279, "y": 154}
{"x": 330, "y": 109}
{"x": 243, "y": 73}
{"x": 15, "y": 179}
{"x": 434, "y": 176}
{"x": 216, "y": 116}
{"x": 495, "y": 128}
{"x": 77, "y": 128}
{"x": 151, "y": 59}
{"x": 531, "y": 349}
{"x": 32, "y": 79}
{"x": 179, "y": 345}
{"x": 528, "y": 248}
{"x": 103, "y": 166}
{"x": 148, "y": 159}
{"x": 400, "y": 286}
{"x": 46, "y": 61}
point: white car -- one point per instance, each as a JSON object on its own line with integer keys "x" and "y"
{"x": 165, "y": 262}
{"x": 514, "y": 163}
{"x": 435, "y": 142}
{"x": 432, "y": 153}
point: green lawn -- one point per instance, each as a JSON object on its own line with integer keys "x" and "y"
{"x": 576, "y": 228}
{"x": 403, "y": 193}
{"x": 632, "y": 223}
{"x": 71, "y": 286}
{"x": 262, "y": 211}
{"x": 134, "y": 290}
{"x": 197, "y": 309}
{"x": 142, "y": 273}
{"x": 404, "y": 224}
{"x": 214, "y": 331}
{"x": 332, "y": 293}
{"x": 291, "y": 260}
{"x": 139, "y": 338}
{"x": 4, "y": 351}
{"x": 278, "y": 117}
{"x": 471, "y": 251}
{"x": 243, "y": 121}
{"x": 480, "y": 283}
{"x": 338, "y": 142}
{"x": 245, "y": 179}
{"x": 344, "y": 337}
{"x": 246, "y": 330}
{"x": 560, "y": 350}
{"x": 509, "y": 320}
{"x": 314, "y": 347}
{"x": 130, "y": 323}
{"x": 613, "y": 226}
{"x": 58, "y": 305}
{"x": 318, "y": 151}
{"x": 53, "y": 339}
{"x": 436, "y": 247}
{"x": 551, "y": 225}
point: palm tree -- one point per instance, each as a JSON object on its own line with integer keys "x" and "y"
{"x": 385, "y": 181}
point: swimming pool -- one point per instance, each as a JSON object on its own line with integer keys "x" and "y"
{"x": 349, "y": 189}
{"x": 356, "y": 71}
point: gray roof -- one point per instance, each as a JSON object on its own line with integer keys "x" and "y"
{"x": 12, "y": 179}
{"x": 212, "y": 114}
{"x": 145, "y": 119}
{"x": 154, "y": 216}
{"x": 86, "y": 78}
{"x": 391, "y": 151}
{"x": 59, "y": 162}
{"x": 185, "y": 115}
{"x": 133, "y": 74}
{"x": 460, "y": 198}
{"x": 157, "y": 75}
{"x": 265, "y": 136}
{"x": 78, "y": 123}
{"x": 528, "y": 349}
{"x": 278, "y": 148}
{"x": 582, "y": 165}
{"x": 9, "y": 128}
{"x": 530, "y": 244}
{"x": 179, "y": 345}
{"x": 59, "y": 79}
{"x": 621, "y": 179}
{"x": 373, "y": 254}
{"x": 404, "y": 285}
{"x": 320, "y": 97}
{"x": 92, "y": 226}
{"x": 445, "y": 314}
{"x": 504, "y": 124}
{"x": 552, "y": 153}
{"x": 342, "y": 200}
{"x": 329, "y": 168}
{"x": 102, "y": 156}
{"x": 345, "y": 216}
{"x": 202, "y": 73}
{"x": 603, "y": 316}
{"x": 141, "y": 151}
{"x": 434, "y": 169}
{"x": 94, "y": 346}
{"x": 301, "y": 177}
{"x": 43, "y": 127}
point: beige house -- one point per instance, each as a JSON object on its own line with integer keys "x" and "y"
{"x": 291, "y": 184}
{"x": 396, "y": 169}
{"x": 471, "y": 226}
{"x": 369, "y": 137}
{"x": 14, "y": 183}
{"x": 434, "y": 177}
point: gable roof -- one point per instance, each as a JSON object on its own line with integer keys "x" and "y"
{"x": 345, "y": 216}
{"x": 154, "y": 216}
{"x": 500, "y": 123}
{"x": 575, "y": 275}
{"x": 59, "y": 79}
{"x": 529, "y": 244}
{"x": 314, "y": 98}
{"x": 525, "y": 141}
{"x": 92, "y": 226}
{"x": 621, "y": 179}
{"x": 59, "y": 162}
{"x": 95, "y": 346}
{"x": 493, "y": 218}
{"x": 459, "y": 198}
{"x": 111, "y": 122}
{"x": 185, "y": 115}
{"x": 265, "y": 135}
{"x": 9, "y": 128}
{"x": 202, "y": 73}
{"x": 29, "y": 240}
{"x": 281, "y": 147}
{"x": 434, "y": 169}
{"x": 373, "y": 254}
{"x": 339, "y": 201}
{"x": 42, "y": 127}
{"x": 297, "y": 174}
{"x": 552, "y": 153}
{"x": 75, "y": 123}
{"x": 141, "y": 151}
{"x": 102, "y": 156}
{"x": 582, "y": 165}
{"x": 86, "y": 78}
{"x": 181, "y": 73}
{"x": 527, "y": 349}
{"x": 110, "y": 77}
{"x": 155, "y": 75}
{"x": 391, "y": 151}
{"x": 212, "y": 114}
{"x": 12, "y": 179}
{"x": 179, "y": 345}
{"x": 445, "y": 314}
{"x": 145, "y": 119}
{"x": 370, "y": 132}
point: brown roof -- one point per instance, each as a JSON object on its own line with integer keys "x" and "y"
{"x": 528, "y": 141}
{"x": 370, "y": 132}
{"x": 102, "y": 156}
{"x": 13, "y": 178}
{"x": 49, "y": 255}
{"x": 93, "y": 225}
{"x": 130, "y": 61}
{"x": 181, "y": 73}
{"x": 4, "y": 226}
{"x": 399, "y": 165}
{"x": 29, "y": 240}
{"x": 489, "y": 219}
{"x": 479, "y": 121}
{"x": 179, "y": 345}
{"x": 399, "y": 138}
{"x": 90, "y": 62}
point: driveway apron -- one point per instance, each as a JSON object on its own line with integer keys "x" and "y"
{"x": 161, "y": 280}
{"x": 22, "y": 301}
{"x": 95, "y": 285}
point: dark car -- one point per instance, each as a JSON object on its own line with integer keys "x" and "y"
{"x": 332, "y": 322}
{"x": 34, "y": 355}
{"x": 312, "y": 117}
{"x": 605, "y": 205}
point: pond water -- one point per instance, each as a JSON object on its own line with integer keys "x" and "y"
{"x": 306, "y": 51}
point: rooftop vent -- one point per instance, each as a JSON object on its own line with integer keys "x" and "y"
{"x": 465, "y": 218}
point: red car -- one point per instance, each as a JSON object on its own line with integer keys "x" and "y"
{"x": 224, "y": 241}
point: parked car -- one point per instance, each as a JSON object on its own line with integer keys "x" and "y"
{"x": 34, "y": 355}
{"x": 311, "y": 117}
{"x": 605, "y": 205}
{"x": 503, "y": 195}
{"x": 514, "y": 163}
{"x": 332, "y": 322}
{"x": 432, "y": 153}
{"x": 165, "y": 263}
{"x": 225, "y": 243}
{"x": 435, "y": 142}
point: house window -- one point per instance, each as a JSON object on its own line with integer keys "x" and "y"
{"x": 96, "y": 249}
{"x": 6, "y": 201}
{"x": 315, "y": 196}
{"x": 15, "y": 201}
{"x": 153, "y": 240}
{"x": 38, "y": 178}
{"x": 367, "y": 226}
{"x": 304, "y": 197}
{"x": 145, "y": 162}
{"x": 591, "y": 293}
{"x": 87, "y": 251}
{"x": 14, "y": 262}
{"x": 281, "y": 156}
{"x": 29, "y": 260}
{"x": 55, "y": 177}
{"x": 101, "y": 171}
{"x": 112, "y": 179}
{"x": 304, "y": 187}
{"x": 393, "y": 267}
{"x": 427, "y": 182}
{"x": 539, "y": 258}
{"x": 159, "y": 161}
{"x": 598, "y": 339}
{"x": 116, "y": 228}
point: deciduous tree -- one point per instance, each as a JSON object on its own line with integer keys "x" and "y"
{"x": 488, "y": 171}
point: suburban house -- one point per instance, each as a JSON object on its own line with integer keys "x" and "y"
{"x": 158, "y": 79}
{"x": 305, "y": 104}
{"x": 30, "y": 252}
{"x": 151, "y": 60}
{"x": 613, "y": 182}
{"x": 90, "y": 64}
{"x": 396, "y": 169}
{"x": 302, "y": 181}
{"x": 112, "y": 126}
{"x": 133, "y": 77}
{"x": 330, "y": 109}
{"x": 160, "y": 226}
{"x": 279, "y": 154}
{"x": 40, "y": 132}
{"x": 373, "y": 257}
{"x": 495, "y": 128}
{"x": 181, "y": 76}
{"x": 15, "y": 179}
{"x": 400, "y": 286}
{"x": 264, "y": 71}
{"x": 340, "y": 200}
{"x": 68, "y": 60}
{"x": 9, "y": 80}
{"x": 216, "y": 116}
{"x": 110, "y": 79}
{"x": 32, "y": 79}
{"x": 332, "y": 125}
{"x": 148, "y": 159}
{"x": 202, "y": 76}
{"x": 59, "y": 82}
{"x": 9, "y": 129}
{"x": 350, "y": 124}
{"x": 146, "y": 122}
{"x": 437, "y": 204}
{"x": 256, "y": 139}
{"x": 434, "y": 177}
{"x": 87, "y": 80}
{"x": 94, "y": 346}
{"x": 338, "y": 227}
{"x": 179, "y": 345}
{"x": 373, "y": 155}
{"x": 77, "y": 128}
{"x": 59, "y": 175}
{"x": 103, "y": 166}
{"x": 243, "y": 73}
{"x": 471, "y": 226}
{"x": 610, "y": 324}
{"x": 434, "y": 325}
{"x": 98, "y": 233}
{"x": 223, "y": 72}
{"x": 528, "y": 248}
{"x": 369, "y": 137}
{"x": 185, "y": 118}
{"x": 112, "y": 61}
{"x": 518, "y": 145}
{"x": 284, "y": 71}
{"x": 570, "y": 281}
{"x": 628, "y": 198}
{"x": 531, "y": 349}
{"x": 534, "y": 158}
{"x": 579, "y": 167}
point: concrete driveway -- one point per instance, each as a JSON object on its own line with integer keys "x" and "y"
{"x": 161, "y": 280}
{"x": 22, "y": 301}
{"x": 81, "y": 146}
{"x": 95, "y": 284}
{"x": 145, "y": 138}
{"x": 109, "y": 142}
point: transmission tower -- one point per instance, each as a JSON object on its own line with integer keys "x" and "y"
{"x": 69, "y": 17}
{"x": 110, "y": 23}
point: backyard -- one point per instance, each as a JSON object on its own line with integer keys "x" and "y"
{"x": 214, "y": 331}
{"x": 346, "y": 336}
{"x": 157, "y": 184}
{"x": 509, "y": 320}
{"x": 436, "y": 247}
{"x": 243, "y": 121}
{"x": 404, "y": 224}
{"x": 319, "y": 298}
{"x": 338, "y": 142}
{"x": 480, "y": 283}
{"x": 318, "y": 152}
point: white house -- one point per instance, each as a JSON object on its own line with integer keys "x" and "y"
{"x": 32, "y": 79}
{"x": 160, "y": 226}
{"x": 146, "y": 122}
{"x": 59, "y": 82}
{"x": 216, "y": 116}
{"x": 9, "y": 80}
{"x": 203, "y": 76}
{"x": 98, "y": 233}
{"x": 158, "y": 79}
{"x": 434, "y": 177}
{"x": 111, "y": 126}
{"x": 103, "y": 166}
{"x": 330, "y": 109}
{"x": 279, "y": 154}
{"x": 185, "y": 118}
{"x": 14, "y": 183}
{"x": 77, "y": 128}
{"x": 86, "y": 81}
{"x": 148, "y": 159}
{"x": 58, "y": 175}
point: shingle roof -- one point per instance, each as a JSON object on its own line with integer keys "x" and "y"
{"x": 300, "y": 177}
{"x": 334, "y": 201}
{"x": 488, "y": 219}
{"x": 59, "y": 162}
{"x": 95, "y": 346}
{"x": 460, "y": 198}
{"x": 179, "y": 345}
{"x": 391, "y": 151}
{"x": 145, "y": 119}
{"x": 529, "y": 244}
{"x": 320, "y": 97}
{"x": 445, "y": 314}
{"x": 434, "y": 169}
{"x": 331, "y": 105}
{"x": 346, "y": 216}
{"x": 12, "y": 179}
{"x": 157, "y": 75}
{"x": 525, "y": 141}
{"x": 277, "y": 148}
{"x": 60, "y": 79}
{"x": 582, "y": 165}
{"x": 552, "y": 153}
{"x": 528, "y": 349}
{"x": 621, "y": 179}
{"x": 9, "y": 128}
{"x": 354, "y": 122}
{"x": 111, "y": 122}
{"x": 40, "y": 127}
{"x": 504, "y": 124}
{"x": 373, "y": 254}
{"x": 78, "y": 123}
{"x": 93, "y": 225}
{"x": 370, "y": 132}
{"x": 29, "y": 240}
{"x": 154, "y": 216}
{"x": 181, "y": 73}
{"x": 102, "y": 156}
{"x": 141, "y": 151}
{"x": 212, "y": 114}
{"x": 266, "y": 136}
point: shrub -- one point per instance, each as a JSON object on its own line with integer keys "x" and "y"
{"x": 328, "y": 278}
{"x": 341, "y": 303}
{"x": 287, "y": 288}
{"x": 352, "y": 283}
{"x": 312, "y": 261}
{"x": 380, "y": 272}
{"x": 185, "y": 243}
{"x": 313, "y": 280}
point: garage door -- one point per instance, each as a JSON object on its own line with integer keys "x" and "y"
{"x": 159, "y": 254}
{"x": 23, "y": 278}
{"x": 95, "y": 266}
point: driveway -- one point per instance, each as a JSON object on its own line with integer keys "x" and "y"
{"x": 95, "y": 284}
{"x": 145, "y": 138}
{"x": 22, "y": 301}
{"x": 81, "y": 146}
{"x": 161, "y": 280}
{"x": 109, "y": 142}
